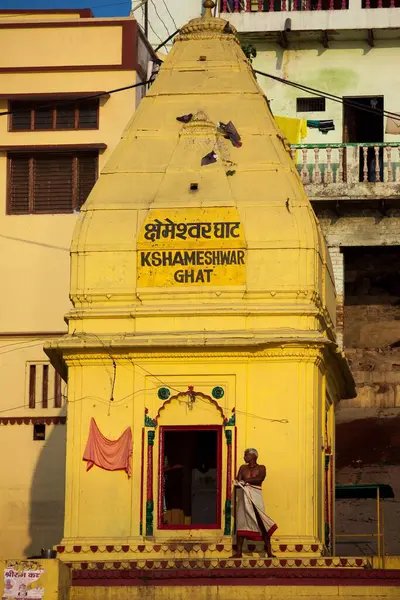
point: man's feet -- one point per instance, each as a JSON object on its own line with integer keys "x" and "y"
{"x": 237, "y": 555}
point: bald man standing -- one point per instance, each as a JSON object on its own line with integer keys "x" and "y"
{"x": 251, "y": 521}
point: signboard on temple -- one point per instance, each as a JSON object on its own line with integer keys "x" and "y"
{"x": 191, "y": 247}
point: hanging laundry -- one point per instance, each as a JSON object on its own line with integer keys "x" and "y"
{"x": 322, "y": 126}
{"x": 111, "y": 455}
{"x": 230, "y": 133}
{"x": 294, "y": 130}
{"x": 393, "y": 125}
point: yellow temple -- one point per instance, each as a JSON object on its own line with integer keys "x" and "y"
{"x": 203, "y": 323}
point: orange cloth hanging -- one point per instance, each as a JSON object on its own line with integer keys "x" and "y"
{"x": 112, "y": 455}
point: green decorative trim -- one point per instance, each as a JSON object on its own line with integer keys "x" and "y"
{"x": 228, "y": 435}
{"x": 149, "y": 516}
{"x": 231, "y": 422}
{"x": 148, "y": 421}
{"x": 150, "y": 438}
{"x": 327, "y": 461}
{"x": 140, "y": 528}
{"x": 349, "y": 145}
{"x": 164, "y": 393}
{"x": 218, "y": 392}
{"x": 228, "y": 517}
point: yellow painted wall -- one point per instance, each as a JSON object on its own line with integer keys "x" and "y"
{"x": 32, "y": 489}
{"x": 34, "y": 266}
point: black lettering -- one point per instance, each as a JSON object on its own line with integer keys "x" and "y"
{"x": 216, "y": 257}
{"x": 144, "y": 259}
{"x": 178, "y": 276}
{"x": 156, "y": 259}
{"x": 225, "y": 257}
{"x": 190, "y": 258}
{"x": 178, "y": 259}
{"x": 240, "y": 257}
{"x": 200, "y": 258}
{"x": 232, "y": 260}
{"x": 208, "y": 257}
{"x": 189, "y": 276}
{"x": 167, "y": 259}
{"x": 208, "y": 274}
{"x": 200, "y": 277}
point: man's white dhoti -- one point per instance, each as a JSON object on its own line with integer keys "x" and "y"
{"x": 249, "y": 501}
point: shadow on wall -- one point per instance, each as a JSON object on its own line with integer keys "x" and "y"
{"x": 46, "y": 518}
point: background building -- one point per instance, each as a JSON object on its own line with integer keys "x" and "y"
{"x": 52, "y": 147}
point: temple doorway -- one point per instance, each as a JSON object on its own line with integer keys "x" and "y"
{"x": 190, "y": 477}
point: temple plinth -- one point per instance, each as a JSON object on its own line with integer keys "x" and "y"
{"x": 203, "y": 320}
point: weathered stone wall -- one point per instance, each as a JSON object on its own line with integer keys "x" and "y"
{"x": 365, "y": 252}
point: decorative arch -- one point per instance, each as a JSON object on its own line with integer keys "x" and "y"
{"x": 192, "y": 394}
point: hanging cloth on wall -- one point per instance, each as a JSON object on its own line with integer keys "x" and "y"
{"x": 393, "y": 126}
{"x": 112, "y": 455}
{"x": 322, "y": 126}
{"x": 294, "y": 130}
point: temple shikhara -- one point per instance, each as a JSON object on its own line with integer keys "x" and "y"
{"x": 202, "y": 324}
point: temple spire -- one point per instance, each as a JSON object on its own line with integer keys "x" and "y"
{"x": 208, "y": 5}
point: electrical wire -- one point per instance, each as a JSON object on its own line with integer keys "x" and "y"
{"x": 153, "y": 30}
{"x": 168, "y": 11}
{"x": 158, "y": 15}
{"x": 328, "y": 96}
{"x": 166, "y": 41}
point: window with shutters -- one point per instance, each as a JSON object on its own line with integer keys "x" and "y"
{"x": 50, "y": 183}
{"x": 42, "y": 116}
{"x": 45, "y": 388}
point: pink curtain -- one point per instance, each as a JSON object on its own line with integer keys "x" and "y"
{"x": 112, "y": 455}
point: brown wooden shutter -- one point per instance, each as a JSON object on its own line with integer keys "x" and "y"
{"x": 53, "y": 183}
{"x": 18, "y": 200}
{"x": 20, "y": 118}
{"x": 87, "y": 175}
{"x": 88, "y": 114}
{"x": 32, "y": 386}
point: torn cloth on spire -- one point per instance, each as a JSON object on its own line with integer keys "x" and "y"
{"x": 112, "y": 455}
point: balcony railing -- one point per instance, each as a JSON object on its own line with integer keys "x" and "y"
{"x": 261, "y": 6}
{"x": 345, "y": 169}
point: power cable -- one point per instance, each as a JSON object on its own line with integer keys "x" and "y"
{"x": 328, "y": 96}
{"x": 153, "y": 30}
{"x": 158, "y": 15}
{"x": 168, "y": 11}
{"x": 166, "y": 41}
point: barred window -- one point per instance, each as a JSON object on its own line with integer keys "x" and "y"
{"x": 45, "y": 387}
{"x": 310, "y": 104}
{"x": 50, "y": 183}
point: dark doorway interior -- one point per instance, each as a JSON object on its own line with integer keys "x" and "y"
{"x": 190, "y": 491}
{"x": 364, "y": 127}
